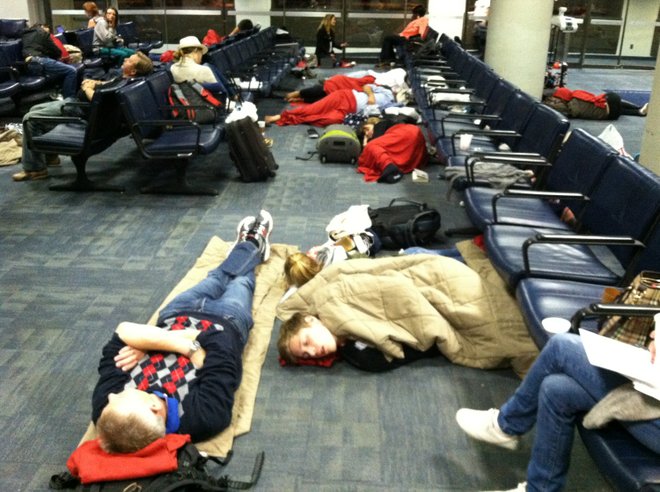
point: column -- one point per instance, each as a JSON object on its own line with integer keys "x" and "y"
{"x": 650, "y": 154}
{"x": 517, "y": 43}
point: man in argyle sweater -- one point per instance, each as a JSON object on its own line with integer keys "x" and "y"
{"x": 181, "y": 375}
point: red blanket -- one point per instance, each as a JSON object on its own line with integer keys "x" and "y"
{"x": 566, "y": 94}
{"x": 91, "y": 464}
{"x": 402, "y": 145}
{"x": 329, "y": 110}
{"x": 341, "y": 82}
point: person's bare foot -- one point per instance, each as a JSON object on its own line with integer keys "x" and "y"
{"x": 292, "y": 96}
{"x": 272, "y": 118}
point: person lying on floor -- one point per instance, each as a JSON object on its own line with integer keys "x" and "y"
{"x": 392, "y": 147}
{"x": 394, "y": 79}
{"x": 419, "y": 301}
{"x": 335, "y": 106}
{"x": 180, "y": 376}
{"x": 588, "y": 106}
{"x": 559, "y": 389}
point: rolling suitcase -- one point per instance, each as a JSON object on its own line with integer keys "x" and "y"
{"x": 339, "y": 143}
{"x": 248, "y": 150}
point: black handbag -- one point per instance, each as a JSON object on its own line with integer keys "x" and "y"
{"x": 404, "y": 223}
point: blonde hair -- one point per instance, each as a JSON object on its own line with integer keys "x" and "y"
{"x": 123, "y": 429}
{"x": 326, "y": 23}
{"x": 288, "y": 330}
{"x": 144, "y": 66}
{"x": 300, "y": 269}
{"x": 181, "y": 52}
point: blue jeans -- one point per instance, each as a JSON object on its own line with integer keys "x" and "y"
{"x": 225, "y": 294}
{"x": 36, "y": 161}
{"x": 55, "y": 68}
{"x": 560, "y": 387}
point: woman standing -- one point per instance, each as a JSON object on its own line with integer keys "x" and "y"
{"x": 106, "y": 37}
{"x": 325, "y": 39}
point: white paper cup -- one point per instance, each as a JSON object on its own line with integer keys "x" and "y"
{"x": 465, "y": 141}
{"x": 262, "y": 126}
{"x": 556, "y": 325}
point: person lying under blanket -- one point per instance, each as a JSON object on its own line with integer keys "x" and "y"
{"x": 394, "y": 79}
{"x": 588, "y": 106}
{"x": 335, "y": 106}
{"x": 418, "y": 301}
{"x": 181, "y": 376}
{"x": 391, "y": 149}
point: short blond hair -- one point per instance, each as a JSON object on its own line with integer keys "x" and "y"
{"x": 300, "y": 269}
{"x": 123, "y": 429}
{"x": 288, "y": 330}
{"x": 144, "y": 66}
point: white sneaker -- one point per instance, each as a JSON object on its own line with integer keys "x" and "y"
{"x": 260, "y": 231}
{"x": 482, "y": 425}
{"x": 242, "y": 230}
{"x": 522, "y": 487}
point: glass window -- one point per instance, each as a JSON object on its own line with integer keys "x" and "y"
{"x": 601, "y": 9}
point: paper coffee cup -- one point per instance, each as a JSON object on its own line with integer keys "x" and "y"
{"x": 262, "y": 126}
{"x": 556, "y": 325}
{"x": 465, "y": 141}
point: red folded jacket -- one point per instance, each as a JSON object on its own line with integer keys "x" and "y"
{"x": 91, "y": 464}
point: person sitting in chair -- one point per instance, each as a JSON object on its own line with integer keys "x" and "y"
{"x": 181, "y": 375}
{"x": 417, "y": 27}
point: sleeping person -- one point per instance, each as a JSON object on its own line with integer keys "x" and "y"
{"x": 394, "y": 303}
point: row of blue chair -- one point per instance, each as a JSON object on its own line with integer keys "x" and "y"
{"x": 555, "y": 270}
{"x": 256, "y": 62}
{"x": 138, "y": 107}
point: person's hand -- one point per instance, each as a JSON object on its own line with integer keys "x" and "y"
{"x": 371, "y": 100}
{"x": 343, "y": 45}
{"x": 128, "y": 357}
{"x": 652, "y": 346}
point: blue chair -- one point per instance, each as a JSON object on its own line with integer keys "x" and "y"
{"x": 161, "y": 138}
{"x": 621, "y": 214}
{"x": 81, "y": 137}
{"x": 571, "y": 179}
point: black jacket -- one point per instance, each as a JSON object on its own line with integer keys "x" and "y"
{"x": 37, "y": 42}
{"x": 324, "y": 41}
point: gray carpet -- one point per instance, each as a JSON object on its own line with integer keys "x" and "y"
{"x": 74, "y": 265}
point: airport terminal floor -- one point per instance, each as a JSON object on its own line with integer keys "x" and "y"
{"x": 76, "y": 264}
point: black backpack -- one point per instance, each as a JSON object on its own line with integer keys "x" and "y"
{"x": 189, "y": 100}
{"x": 404, "y": 224}
{"x": 191, "y": 475}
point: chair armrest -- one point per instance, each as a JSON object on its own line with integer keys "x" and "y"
{"x": 547, "y": 195}
{"x": 464, "y": 116}
{"x": 576, "y": 239}
{"x": 601, "y": 310}
{"x": 441, "y": 90}
{"x": 12, "y": 72}
{"x": 487, "y": 133}
{"x": 532, "y": 161}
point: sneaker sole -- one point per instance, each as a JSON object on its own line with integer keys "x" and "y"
{"x": 269, "y": 220}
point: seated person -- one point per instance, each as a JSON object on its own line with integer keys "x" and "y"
{"x": 200, "y": 334}
{"x": 560, "y": 387}
{"x": 92, "y": 13}
{"x": 325, "y": 40}
{"x": 588, "y": 106}
{"x": 106, "y": 37}
{"x": 417, "y": 27}
{"x": 40, "y": 50}
{"x": 335, "y": 106}
{"x": 393, "y": 147}
{"x": 188, "y": 62}
{"x": 410, "y": 300}
{"x": 242, "y": 26}
{"x": 35, "y": 164}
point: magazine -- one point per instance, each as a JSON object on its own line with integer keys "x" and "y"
{"x": 628, "y": 360}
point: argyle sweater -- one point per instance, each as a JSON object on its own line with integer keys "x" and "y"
{"x": 205, "y": 395}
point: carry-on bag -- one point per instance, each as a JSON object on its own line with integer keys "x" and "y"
{"x": 404, "y": 223}
{"x": 339, "y": 143}
{"x": 247, "y": 149}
